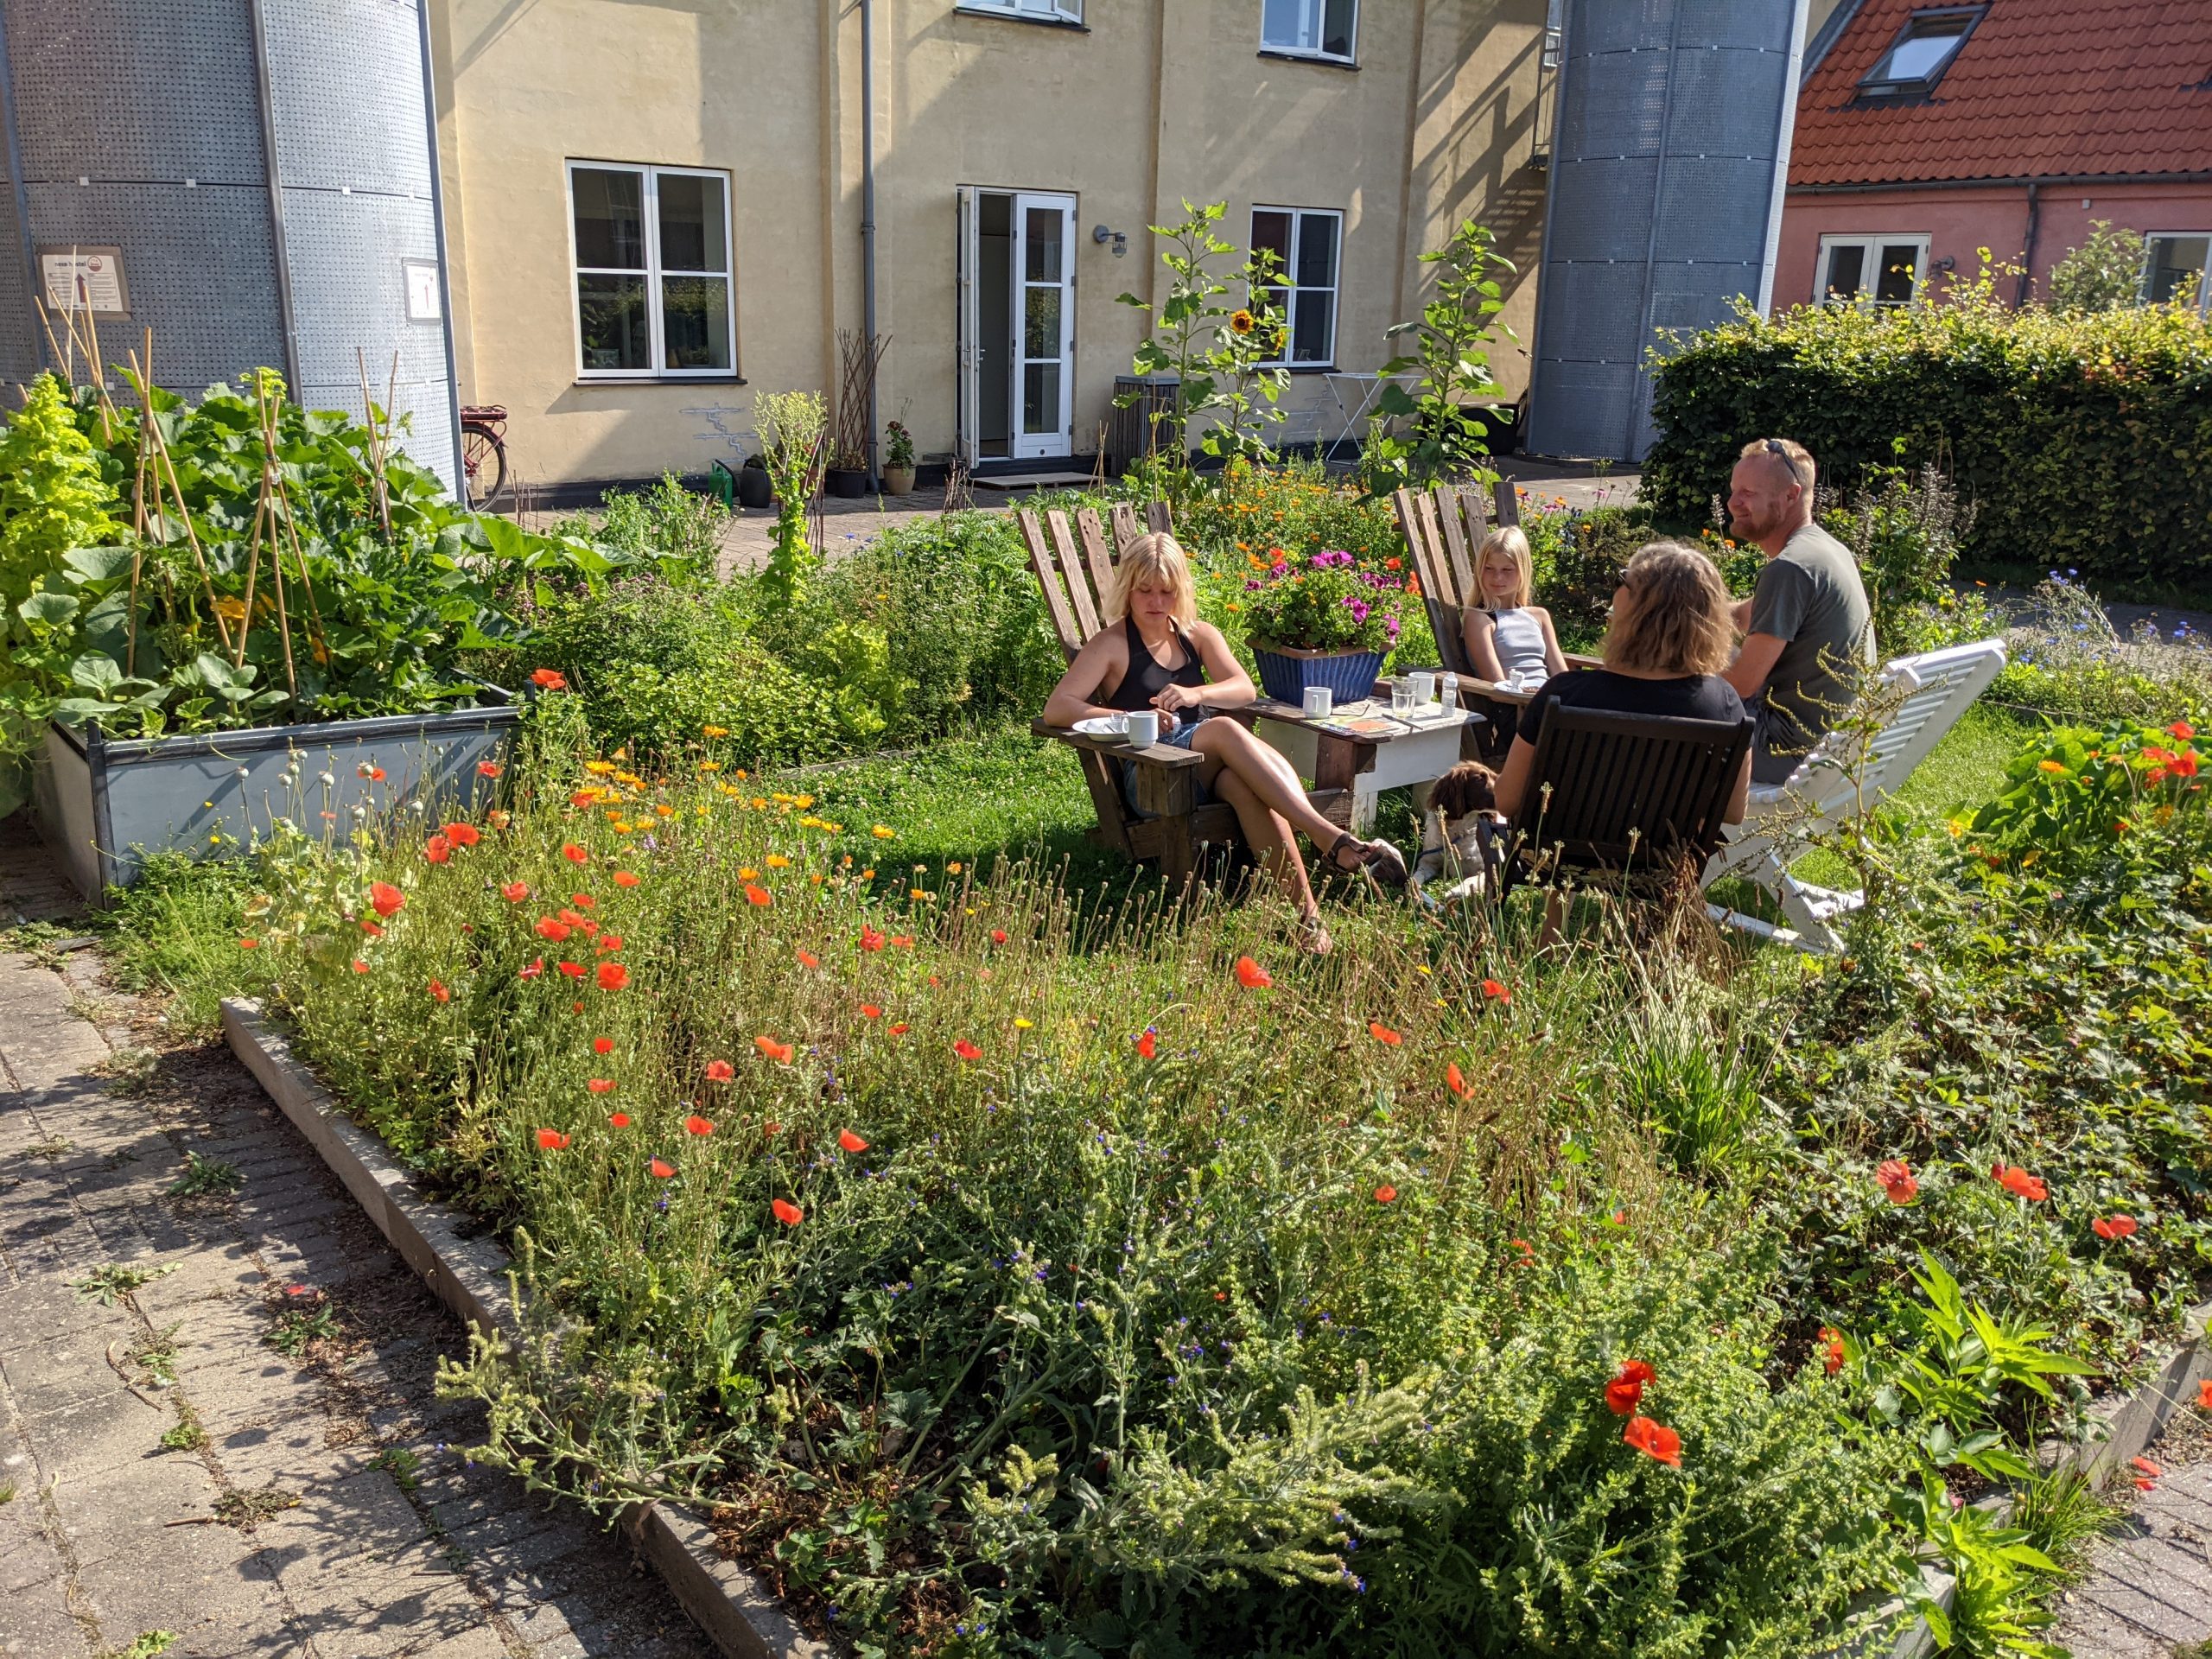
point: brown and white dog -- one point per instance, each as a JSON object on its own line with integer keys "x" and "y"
{"x": 1463, "y": 837}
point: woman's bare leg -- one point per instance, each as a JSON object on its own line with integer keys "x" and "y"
{"x": 1267, "y": 774}
{"x": 1270, "y": 839}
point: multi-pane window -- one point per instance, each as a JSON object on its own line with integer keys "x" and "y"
{"x": 1306, "y": 243}
{"x": 1923, "y": 49}
{"x": 1872, "y": 269}
{"x": 652, "y": 255}
{"x": 2173, "y": 269}
{"x": 1049, "y": 11}
{"x": 1313, "y": 28}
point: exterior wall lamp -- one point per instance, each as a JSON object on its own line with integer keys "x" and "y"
{"x": 1119, "y": 238}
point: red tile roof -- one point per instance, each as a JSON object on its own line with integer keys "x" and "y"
{"x": 2040, "y": 87}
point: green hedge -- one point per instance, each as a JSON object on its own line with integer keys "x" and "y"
{"x": 2080, "y": 440}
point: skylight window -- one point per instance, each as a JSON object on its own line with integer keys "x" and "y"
{"x": 1923, "y": 49}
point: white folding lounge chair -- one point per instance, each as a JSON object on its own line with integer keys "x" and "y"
{"x": 1846, "y": 774}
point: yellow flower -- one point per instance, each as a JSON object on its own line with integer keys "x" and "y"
{"x": 1240, "y": 321}
{"x": 2059, "y": 766}
{"x": 748, "y": 873}
{"x": 1020, "y": 1024}
{"x": 882, "y": 832}
{"x": 916, "y": 892}
{"x": 715, "y": 731}
{"x": 710, "y": 765}
{"x": 599, "y": 768}
{"x": 231, "y": 610}
{"x": 777, "y": 862}
{"x": 953, "y": 868}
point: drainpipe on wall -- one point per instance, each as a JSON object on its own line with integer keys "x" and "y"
{"x": 2028, "y": 253}
{"x": 868, "y": 220}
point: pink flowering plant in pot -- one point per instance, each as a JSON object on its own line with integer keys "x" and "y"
{"x": 1321, "y": 618}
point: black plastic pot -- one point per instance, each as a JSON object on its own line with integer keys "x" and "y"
{"x": 753, "y": 489}
{"x": 850, "y": 482}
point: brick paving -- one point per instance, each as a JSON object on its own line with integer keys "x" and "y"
{"x": 2149, "y": 1591}
{"x": 391, "y": 1544}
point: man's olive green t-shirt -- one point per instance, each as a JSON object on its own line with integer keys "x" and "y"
{"x": 1809, "y": 597}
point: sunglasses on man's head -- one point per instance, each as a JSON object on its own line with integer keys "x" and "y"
{"x": 1775, "y": 447}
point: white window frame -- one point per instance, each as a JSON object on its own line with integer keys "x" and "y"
{"x": 1291, "y": 287}
{"x": 655, "y": 323}
{"x": 1872, "y": 242}
{"x": 1028, "y": 11}
{"x": 2203, "y": 282}
{"x": 1316, "y": 16}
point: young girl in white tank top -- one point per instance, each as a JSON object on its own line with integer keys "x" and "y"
{"x": 1508, "y": 639}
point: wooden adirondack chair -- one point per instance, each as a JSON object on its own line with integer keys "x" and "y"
{"x": 1444, "y": 527}
{"x": 1626, "y": 794}
{"x": 1166, "y": 822}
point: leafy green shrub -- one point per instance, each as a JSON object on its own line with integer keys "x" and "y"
{"x": 1905, "y": 534}
{"x": 2105, "y": 271}
{"x": 667, "y": 528}
{"x": 2081, "y": 440}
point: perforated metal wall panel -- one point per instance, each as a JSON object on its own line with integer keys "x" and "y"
{"x": 19, "y": 355}
{"x": 158, "y": 105}
{"x": 1665, "y": 199}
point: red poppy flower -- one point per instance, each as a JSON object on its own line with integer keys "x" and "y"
{"x": 1831, "y": 1349}
{"x": 870, "y": 939}
{"x": 1386, "y": 1193}
{"x": 850, "y": 1141}
{"x": 1654, "y": 1440}
{"x": 533, "y": 969}
{"x": 1383, "y": 1033}
{"x": 463, "y": 835}
{"x": 869, "y": 1011}
{"x": 1527, "y": 1258}
{"x": 935, "y": 982}
{"x": 515, "y": 892}
{"x": 624, "y": 879}
{"x": 385, "y": 899}
{"x": 548, "y": 928}
{"x": 2184, "y": 764}
{"x": 1625, "y": 1391}
{"x": 600, "y": 1085}
{"x": 696, "y": 1124}
{"x": 584, "y": 797}
{"x": 790, "y": 1214}
{"x": 807, "y": 959}
{"x": 899, "y": 1030}
{"x": 2156, "y": 775}
{"x": 2145, "y": 1467}
{"x": 758, "y": 897}
{"x": 997, "y": 936}
{"x": 1897, "y": 1180}
{"x": 573, "y": 969}
{"x": 771, "y": 1128}
{"x": 780, "y": 1053}
{"x": 2019, "y": 1183}
{"x": 613, "y": 975}
{"x": 602, "y": 1045}
{"x": 903, "y": 941}
{"x": 249, "y": 944}
{"x": 610, "y": 942}
{"x": 551, "y": 1139}
{"x": 1456, "y": 1081}
{"x": 376, "y": 774}
{"x": 371, "y": 929}
{"x": 487, "y": 768}
{"x": 720, "y": 1070}
{"x": 360, "y": 967}
{"x": 575, "y": 1007}
{"x": 549, "y": 679}
{"x": 1496, "y": 992}
{"x": 2113, "y": 1226}
{"x": 967, "y": 1051}
{"x": 2204, "y": 1395}
{"x": 439, "y": 992}
{"x": 1251, "y": 975}
{"x": 1148, "y": 1045}
{"x": 662, "y": 1167}
{"x": 573, "y": 853}
{"x": 437, "y": 850}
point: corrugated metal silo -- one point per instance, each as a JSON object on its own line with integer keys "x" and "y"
{"x": 1665, "y": 198}
{"x": 265, "y": 171}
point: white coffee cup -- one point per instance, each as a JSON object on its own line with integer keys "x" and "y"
{"x": 1320, "y": 701}
{"x": 1424, "y": 687}
{"x": 1143, "y": 728}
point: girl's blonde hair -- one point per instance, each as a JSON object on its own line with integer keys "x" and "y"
{"x": 1673, "y": 616}
{"x": 1509, "y": 540}
{"x": 1155, "y": 560}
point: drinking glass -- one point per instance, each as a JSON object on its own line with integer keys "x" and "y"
{"x": 1402, "y": 696}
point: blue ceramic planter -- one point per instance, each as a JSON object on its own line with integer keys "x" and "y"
{"x": 1349, "y": 674}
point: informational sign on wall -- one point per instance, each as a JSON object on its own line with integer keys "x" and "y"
{"x": 424, "y": 303}
{"x": 85, "y": 279}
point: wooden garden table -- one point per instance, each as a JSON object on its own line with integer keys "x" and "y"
{"x": 1363, "y": 747}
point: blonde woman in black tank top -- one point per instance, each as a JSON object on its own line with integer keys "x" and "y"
{"x": 1153, "y": 652}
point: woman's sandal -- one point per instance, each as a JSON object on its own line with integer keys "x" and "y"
{"x": 1378, "y": 858}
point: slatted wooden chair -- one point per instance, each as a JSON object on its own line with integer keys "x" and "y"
{"x": 1166, "y": 821}
{"x": 1444, "y": 527}
{"x": 1632, "y": 796}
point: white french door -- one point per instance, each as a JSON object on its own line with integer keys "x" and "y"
{"x": 1043, "y": 325}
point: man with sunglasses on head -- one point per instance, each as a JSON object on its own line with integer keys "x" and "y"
{"x": 1808, "y": 631}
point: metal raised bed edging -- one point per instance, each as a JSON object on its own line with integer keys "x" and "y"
{"x": 735, "y": 1609}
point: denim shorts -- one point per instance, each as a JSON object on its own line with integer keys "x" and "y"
{"x": 1179, "y": 738}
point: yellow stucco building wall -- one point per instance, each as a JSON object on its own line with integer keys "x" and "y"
{"x": 1147, "y": 103}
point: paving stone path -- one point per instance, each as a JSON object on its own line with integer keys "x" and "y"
{"x": 2150, "y": 1591}
{"x": 322, "y": 1516}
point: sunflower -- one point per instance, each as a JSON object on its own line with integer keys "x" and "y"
{"x": 1240, "y": 321}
